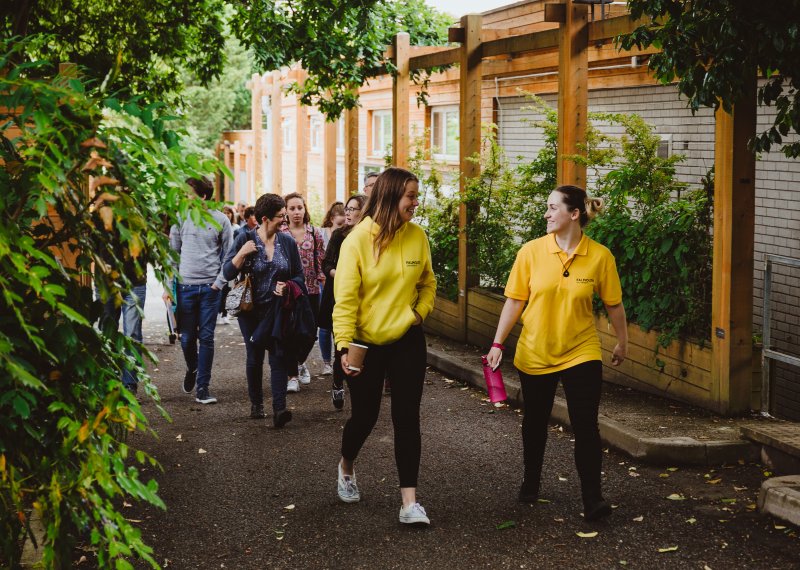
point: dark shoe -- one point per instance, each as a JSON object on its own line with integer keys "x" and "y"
{"x": 387, "y": 387}
{"x": 596, "y": 510}
{"x": 257, "y": 411}
{"x": 337, "y": 397}
{"x": 189, "y": 380}
{"x": 205, "y": 397}
{"x": 281, "y": 418}
{"x": 528, "y": 492}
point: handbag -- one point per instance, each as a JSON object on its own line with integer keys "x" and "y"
{"x": 240, "y": 297}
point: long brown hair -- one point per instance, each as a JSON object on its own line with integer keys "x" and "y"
{"x": 292, "y": 196}
{"x": 336, "y": 209}
{"x": 383, "y": 205}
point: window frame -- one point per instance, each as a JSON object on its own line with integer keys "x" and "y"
{"x": 445, "y": 153}
{"x": 378, "y": 132}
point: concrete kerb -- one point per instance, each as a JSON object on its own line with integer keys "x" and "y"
{"x": 780, "y": 497}
{"x": 658, "y": 451}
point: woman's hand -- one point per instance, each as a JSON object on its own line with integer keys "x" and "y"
{"x": 494, "y": 357}
{"x": 246, "y": 249}
{"x": 619, "y": 354}
{"x": 280, "y": 287}
{"x": 417, "y": 318}
{"x": 346, "y": 367}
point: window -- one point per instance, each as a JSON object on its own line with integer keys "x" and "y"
{"x": 665, "y": 146}
{"x": 381, "y": 132}
{"x": 444, "y": 132}
{"x": 316, "y": 134}
{"x": 287, "y": 128}
{"x": 340, "y": 134}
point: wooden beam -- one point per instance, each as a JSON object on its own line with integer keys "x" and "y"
{"x": 732, "y": 273}
{"x": 301, "y": 146}
{"x": 400, "y": 86}
{"x": 447, "y": 56}
{"x": 227, "y": 193}
{"x": 573, "y": 93}
{"x": 330, "y": 163}
{"x": 610, "y": 28}
{"x": 351, "y": 181}
{"x": 555, "y": 13}
{"x": 237, "y": 168}
{"x": 257, "y": 166}
{"x": 469, "y": 144}
{"x": 276, "y": 120}
{"x": 547, "y": 39}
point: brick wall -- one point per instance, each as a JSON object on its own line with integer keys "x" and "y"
{"x": 777, "y": 198}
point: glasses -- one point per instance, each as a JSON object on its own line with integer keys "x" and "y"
{"x": 280, "y": 217}
{"x": 351, "y": 210}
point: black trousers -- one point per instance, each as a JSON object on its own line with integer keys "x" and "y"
{"x": 582, "y": 386}
{"x": 405, "y": 361}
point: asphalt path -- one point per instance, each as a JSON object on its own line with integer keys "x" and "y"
{"x": 243, "y": 495}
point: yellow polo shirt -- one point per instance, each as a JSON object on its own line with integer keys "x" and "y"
{"x": 558, "y": 330}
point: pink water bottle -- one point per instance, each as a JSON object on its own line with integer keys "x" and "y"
{"x": 494, "y": 382}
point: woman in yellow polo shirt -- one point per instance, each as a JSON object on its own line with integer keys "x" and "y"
{"x": 384, "y": 289}
{"x": 557, "y": 275}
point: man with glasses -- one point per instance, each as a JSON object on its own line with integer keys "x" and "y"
{"x": 369, "y": 182}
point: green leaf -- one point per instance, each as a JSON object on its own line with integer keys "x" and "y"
{"x": 505, "y": 525}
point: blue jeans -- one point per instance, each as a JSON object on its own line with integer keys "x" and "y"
{"x": 197, "y": 314}
{"x": 132, "y": 313}
{"x": 325, "y": 345}
{"x": 254, "y": 366}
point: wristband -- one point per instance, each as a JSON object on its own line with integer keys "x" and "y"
{"x": 498, "y": 345}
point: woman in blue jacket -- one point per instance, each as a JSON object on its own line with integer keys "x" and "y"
{"x": 271, "y": 258}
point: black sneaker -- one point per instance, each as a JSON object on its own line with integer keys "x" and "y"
{"x": 337, "y": 397}
{"x": 257, "y": 411}
{"x": 281, "y": 418}
{"x": 596, "y": 510}
{"x": 205, "y": 397}
{"x": 528, "y": 493}
{"x": 189, "y": 380}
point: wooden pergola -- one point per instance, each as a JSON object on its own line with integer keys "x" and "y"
{"x": 568, "y": 48}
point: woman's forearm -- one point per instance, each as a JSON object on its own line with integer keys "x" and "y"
{"x": 616, "y": 314}
{"x": 509, "y": 316}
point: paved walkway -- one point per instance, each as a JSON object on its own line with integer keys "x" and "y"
{"x": 243, "y": 495}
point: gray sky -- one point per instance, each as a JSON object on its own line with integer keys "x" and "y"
{"x": 460, "y": 7}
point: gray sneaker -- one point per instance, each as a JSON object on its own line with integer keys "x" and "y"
{"x": 414, "y": 514}
{"x": 204, "y": 397}
{"x": 347, "y": 487}
{"x": 304, "y": 374}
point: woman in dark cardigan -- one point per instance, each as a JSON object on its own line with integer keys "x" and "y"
{"x": 271, "y": 258}
{"x": 352, "y": 215}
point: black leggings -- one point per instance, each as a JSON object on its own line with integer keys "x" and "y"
{"x": 582, "y": 387}
{"x": 405, "y": 361}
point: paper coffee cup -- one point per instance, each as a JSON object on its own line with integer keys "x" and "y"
{"x": 355, "y": 356}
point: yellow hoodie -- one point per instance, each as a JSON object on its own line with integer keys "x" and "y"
{"x": 375, "y": 303}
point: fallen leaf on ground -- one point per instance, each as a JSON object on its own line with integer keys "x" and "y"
{"x": 729, "y": 501}
{"x": 640, "y": 518}
{"x": 735, "y": 488}
{"x": 668, "y": 549}
{"x": 676, "y": 497}
{"x": 506, "y": 524}
{"x": 544, "y": 501}
{"x": 691, "y": 520}
{"x": 587, "y": 534}
{"x": 562, "y": 478}
{"x": 672, "y": 469}
{"x": 179, "y": 437}
{"x": 201, "y": 450}
{"x": 289, "y": 507}
{"x": 663, "y": 475}
{"x": 634, "y": 474}
{"x": 716, "y": 481}
{"x": 558, "y": 519}
{"x": 780, "y": 527}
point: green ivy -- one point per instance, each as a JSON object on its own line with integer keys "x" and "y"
{"x": 64, "y": 414}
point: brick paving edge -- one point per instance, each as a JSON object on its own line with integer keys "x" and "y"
{"x": 654, "y": 450}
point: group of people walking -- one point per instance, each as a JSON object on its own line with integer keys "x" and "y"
{"x": 366, "y": 280}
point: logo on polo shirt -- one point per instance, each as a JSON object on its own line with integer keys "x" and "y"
{"x": 413, "y": 262}
{"x": 585, "y": 281}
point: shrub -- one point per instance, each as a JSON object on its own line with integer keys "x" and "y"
{"x": 64, "y": 414}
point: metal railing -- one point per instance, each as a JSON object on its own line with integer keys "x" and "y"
{"x": 768, "y": 353}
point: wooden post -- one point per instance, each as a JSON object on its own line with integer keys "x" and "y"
{"x": 256, "y": 166}
{"x": 330, "y": 134}
{"x": 226, "y": 160}
{"x": 276, "y": 119}
{"x": 732, "y": 273}
{"x": 573, "y": 92}
{"x": 301, "y": 146}
{"x": 352, "y": 184}
{"x": 400, "y": 84}
{"x": 469, "y": 145}
{"x": 237, "y": 167}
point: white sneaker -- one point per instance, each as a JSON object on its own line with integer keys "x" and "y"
{"x": 292, "y": 385}
{"x": 225, "y": 320}
{"x": 414, "y": 514}
{"x": 327, "y": 369}
{"x": 347, "y": 487}
{"x": 305, "y": 375}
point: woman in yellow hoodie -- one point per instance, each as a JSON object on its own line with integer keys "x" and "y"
{"x": 384, "y": 289}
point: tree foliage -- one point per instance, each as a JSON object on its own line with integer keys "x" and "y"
{"x": 714, "y": 49}
{"x": 337, "y": 42}
{"x": 64, "y": 414}
{"x": 135, "y": 47}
